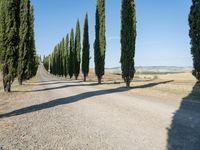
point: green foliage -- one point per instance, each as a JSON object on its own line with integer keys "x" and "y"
{"x": 71, "y": 55}
{"x": 10, "y": 41}
{"x": 17, "y": 44}
{"x": 57, "y": 62}
{"x": 128, "y": 39}
{"x": 46, "y": 62}
{"x": 63, "y": 57}
{"x": 77, "y": 51}
{"x": 60, "y": 58}
{"x": 25, "y": 43}
{"x": 86, "y": 49}
{"x": 66, "y": 55}
{"x": 32, "y": 59}
{"x": 100, "y": 40}
{"x": 2, "y": 32}
{"x": 194, "y": 22}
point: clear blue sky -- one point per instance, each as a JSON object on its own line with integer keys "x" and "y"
{"x": 162, "y": 29}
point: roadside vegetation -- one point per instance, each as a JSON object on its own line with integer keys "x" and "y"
{"x": 17, "y": 42}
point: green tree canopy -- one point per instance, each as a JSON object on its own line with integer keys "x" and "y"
{"x": 128, "y": 39}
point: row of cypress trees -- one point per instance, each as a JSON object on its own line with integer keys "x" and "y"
{"x": 128, "y": 40}
{"x": 66, "y": 57}
{"x": 17, "y": 41}
{"x": 128, "y": 37}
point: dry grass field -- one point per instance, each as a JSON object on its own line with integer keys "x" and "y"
{"x": 176, "y": 85}
{"x": 171, "y": 85}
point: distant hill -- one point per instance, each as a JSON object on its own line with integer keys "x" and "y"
{"x": 153, "y": 69}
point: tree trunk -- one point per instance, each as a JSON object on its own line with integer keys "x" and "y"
{"x": 7, "y": 87}
{"x": 127, "y": 84}
{"x": 84, "y": 79}
{"x": 99, "y": 80}
{"x": 76, "y": 77}
{"x": 4, "y": 85}
{"x": 20, "y": 81}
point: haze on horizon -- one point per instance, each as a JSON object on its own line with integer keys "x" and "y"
{"x": 162, "y": 29}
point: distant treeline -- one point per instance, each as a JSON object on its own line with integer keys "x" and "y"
{"x": 66, "y": 57}
{"x": 17, "y": 42}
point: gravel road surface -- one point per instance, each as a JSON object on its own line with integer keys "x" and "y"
{"x": 72, "y": 115}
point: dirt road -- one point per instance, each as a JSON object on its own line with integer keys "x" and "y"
{"x": 60, "y": 114}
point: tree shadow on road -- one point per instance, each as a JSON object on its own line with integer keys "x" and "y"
{"x": 95, "y": 84}
{"x": 47, "y": 83}
{"x": 72, "y": 99}
{"x": 184, "y": 133}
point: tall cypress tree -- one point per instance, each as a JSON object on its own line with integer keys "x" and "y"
{"x": 194, "y": 22}
{"x": 71, "y": 55}
{"x": 2, "y": 32}
{"x": 32, "y": 56}
{"x": 100, "y": 40}
{"x": 51, "y": 63}
{"x": 55, "y": 68}
{"x": 86, "y": 49}
{"x": 66, "y": 54}
{"x": 10, "y": 35}
{"x": 59, "y": 60}
{"x": 46, "y": 62}
{"x": 128, "y": 39}
{"x": 25, "y": 45}
{"x": 63, "y": 56}
{"x": 77, "y": 51}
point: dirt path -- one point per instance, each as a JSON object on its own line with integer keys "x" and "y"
{"x": 59, "y": 114}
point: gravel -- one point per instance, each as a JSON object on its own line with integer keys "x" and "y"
{"x": 60, "y": 114}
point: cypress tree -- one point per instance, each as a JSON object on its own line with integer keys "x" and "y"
{"x": 77, "y": 51}
{"x": 63, "y": 56}
{"x": 86, "y": 50}
{"x": 66, "y": 55}
{"x": 194, "y": 33}
{"x": 24, "y": 46}
{"x": 2, "y": 32}
{"x": 51, "y": 63}
{"x": 46, "y": 62}
{"x": 128, "y": 39}
{"x": 71, "y": 55}
{"x": 100, "y": 40}
{"x": 58, "y": 60}
{"x": 10, "y": 36}
{"x": 33, "y": 62}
